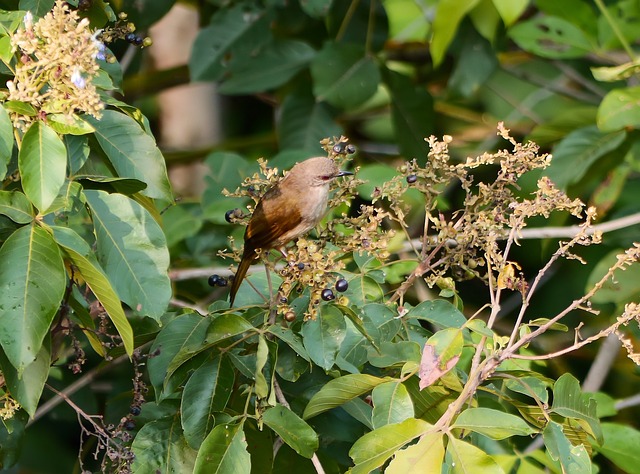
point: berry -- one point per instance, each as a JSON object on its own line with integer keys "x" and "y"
{"x": 290, "y": 316}
{"x": 229, "y": 214}
{"x": 338, "y": 148}
{"x": 222, "y": 281}
{"x": 350, "y": 149}
{"x": 283, "y": 300}
{"x": 342, "y": 285}
{"x": 412, "y": 178}
{"x": 138, "y": 40}
{"x": 129, "y": 425}
{"x": 130, "y": 37}
{"x": 301, "y": 266}
{"x": 327, "y": 294}
{"x": 135, "y": 410}
{"x": 214, "y": 280}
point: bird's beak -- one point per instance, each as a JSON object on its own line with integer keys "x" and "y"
{"x": 344, "y": 173}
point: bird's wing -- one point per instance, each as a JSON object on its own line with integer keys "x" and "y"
{"x": 266, "y": 233}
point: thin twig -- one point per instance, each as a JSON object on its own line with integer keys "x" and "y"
{"x": 83, "y": 381}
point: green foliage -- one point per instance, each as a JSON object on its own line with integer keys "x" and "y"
{"x": 416, "y": 366}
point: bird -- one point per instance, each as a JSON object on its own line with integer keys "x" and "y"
{"x": 289, "y": 209}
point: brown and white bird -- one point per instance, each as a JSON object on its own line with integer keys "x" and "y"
{"x": 289, "y": 209}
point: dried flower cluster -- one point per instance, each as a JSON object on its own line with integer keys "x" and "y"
{"x": 57, "y": 62}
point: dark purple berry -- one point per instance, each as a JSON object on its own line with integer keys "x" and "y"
{"x": 327, "y": 294}
{"x": 412, "y": 178}
{"x": 222, "y": 281}
{"x": 138, "y": 40}
{"x": 130, "y": 37}
{"x": 214, "y": 280}
{"x": 301, "y": 266}
{"x": 342, "y": 285}
{"x": 135, "y": 410}
{"x": 338, "y": 148}
{"x": 229, "y": 214}
{"x": 350, "y": 149}
{"x": 129, "y": 425}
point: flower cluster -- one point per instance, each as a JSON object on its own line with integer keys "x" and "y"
{"x": 309, "y": 265}
{"x": 9, "y": 407}
{"x": 56, "y": 66}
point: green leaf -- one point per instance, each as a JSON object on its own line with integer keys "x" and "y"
{"x": 374, "y": 448}
{"x": 180, "y": 334}
{"x": 441, "y": 353}
{"x": 304, "y": 122}
{"x": 570, "y": 402}
{"x": 581, "y": 14}
{"x": 233, "y": 32}
{"x": 392, "y": 353}
{"x": 16, "y": 207}
{"x": 439, "y": 312}
{"x": 469, "y": 459}
{"x": 5, "y": 48}
{"x": 322, "y": 337}
{"x": 160, "y": 446}
{"x": 447, "y": 17}
{"x": 292, "y": 429}
{"x": 406, "y": 21}
{"x": 80, "y": 254}
{"x": 260, "y": 386}
{"x": 551, "y": 37}
{"x": 620, "y": 446}
{"x": 76, "y": 126}
{"x": 181, "y": 222}
{"x": 426, "y": 456}
{"x": 128, "y": 186}
{"x": 391, "y": 404}
{"x": 412, "y": 114}
{"x": 193, "y": 344}
{"x": 32, "y": 283}
{"x": 510, "y": 10}
{"x": 20, "y": 108}
{"x": 579, "y": 150}
{"x": 574, "y": 459}
{"x": 339, "y": 391}
{"x": 39, "y": 8}
{"x": 316, "y": 8}
{"x": 132, "y": 250}
{"x": 225, "y": 326}
{"x": 344, "y": 75}
{"x": 493, "y": 423}
{"x": 12, "y": 438}
{"x": 42, "y": 162}
{"x": 224, "y": 451}
{"x": 132, "y": 152}
{"x": 616, "y": 73}
{"x": 206, "y": 392}
{"x": 287, "y": 336}
{"x": 6, "y": 140}
{"x": 271, "y": 67}
{"x": 620, "y": 108}
{"x": 27, "y": 389}
{"x": 77, "y": 151}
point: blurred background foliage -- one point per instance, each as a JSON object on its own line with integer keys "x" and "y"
{"x": 226, "y": 82}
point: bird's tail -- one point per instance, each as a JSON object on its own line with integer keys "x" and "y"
{"x": 248, "y": 256}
